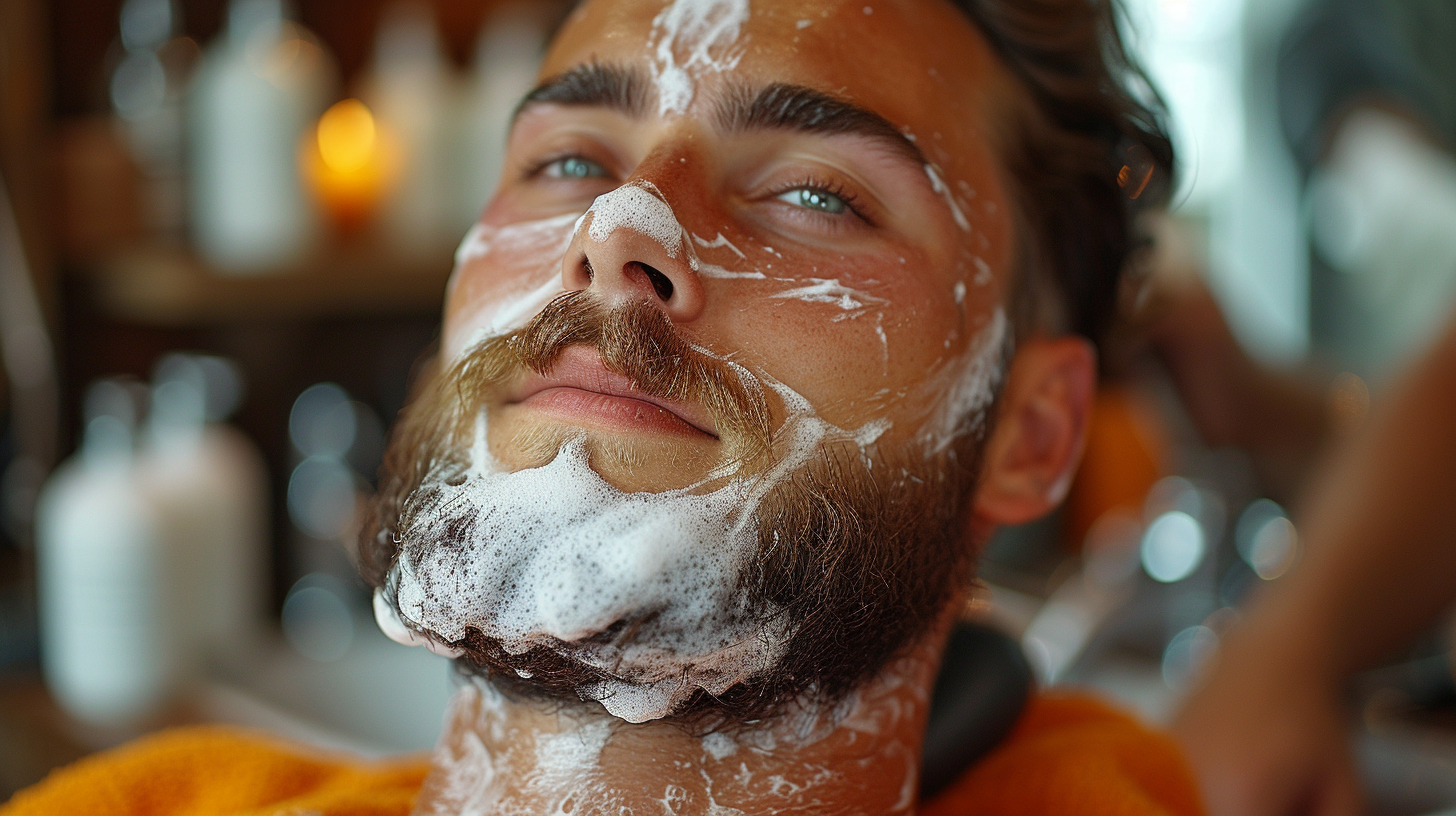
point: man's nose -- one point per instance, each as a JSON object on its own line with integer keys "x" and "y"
{"x": 628, "y": 266}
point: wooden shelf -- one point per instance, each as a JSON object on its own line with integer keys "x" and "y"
{"x": 168, "y": 286}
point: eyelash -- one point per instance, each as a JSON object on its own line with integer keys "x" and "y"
{"x": 838, "y": 190}
{"x": 831, "y": 188}
{"x": 536, "y": 168}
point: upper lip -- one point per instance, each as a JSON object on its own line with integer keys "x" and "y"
{"x": 581, "y": 368}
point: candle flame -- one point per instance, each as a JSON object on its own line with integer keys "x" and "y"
{"x": 347, "y": 137}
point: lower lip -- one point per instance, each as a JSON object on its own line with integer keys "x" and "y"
{"x": 606, "y": 410}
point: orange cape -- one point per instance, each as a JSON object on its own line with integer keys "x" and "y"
{"x": 1067, "y": 756}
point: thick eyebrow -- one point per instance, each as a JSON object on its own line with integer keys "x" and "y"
{"x": 779, "y": 106}
{"x": 594, "y": 84}
{"x": 782, "y": 106}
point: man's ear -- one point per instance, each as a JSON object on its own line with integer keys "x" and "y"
{"x": 1041, "y": 430}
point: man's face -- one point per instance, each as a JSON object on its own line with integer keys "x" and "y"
{"x": 747, "y": 435}
{"x": 854, "y": 260}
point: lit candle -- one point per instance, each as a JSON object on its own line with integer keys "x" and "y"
{"x": 350, "y": 162}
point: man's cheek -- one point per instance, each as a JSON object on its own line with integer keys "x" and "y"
{"x": 504, "y": 276}
{"x": 506, "y": 300}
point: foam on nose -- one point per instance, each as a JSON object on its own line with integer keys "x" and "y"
{"x": 639, "y": 208}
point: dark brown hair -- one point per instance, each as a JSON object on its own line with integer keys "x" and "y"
{"x": 1084, "y": 156}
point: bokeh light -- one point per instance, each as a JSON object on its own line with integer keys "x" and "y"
{"x": 1186, "y": 655}
{"x": 1266, "y": 539}
{"x": 1173, "y": 547}
{"x": 322, "y": 497}
{"x": 316, "y": 618}
{"x": 322, "y": 422}
{"x": 347, "y": 136}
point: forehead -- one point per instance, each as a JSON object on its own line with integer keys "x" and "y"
{"x": 921, "y": 64}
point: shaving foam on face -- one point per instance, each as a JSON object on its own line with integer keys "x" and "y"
{"x": 708, "y": 270}
{"x": 394, "y": 629}
{"x": 831, "y": 291}
{"x": 556, "y": 555}
{"x": 720, "y": 242}
{"x": 939, "y": 186}
{"x": 690, "y": 38}
{"x": 983, "y": 272}
{"x": 547, "y": 239}
{"x": 640, "y": 208}
{"x": 967, "y": 385}
{"x": 552, "y": 557}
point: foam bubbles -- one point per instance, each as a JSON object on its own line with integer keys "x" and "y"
{"x": 394, "y": 629}
{"x": 556, "y": 554}
{"x": 640, "y": 208}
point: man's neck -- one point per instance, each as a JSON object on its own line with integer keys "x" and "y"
{"x": 501, "y": 756}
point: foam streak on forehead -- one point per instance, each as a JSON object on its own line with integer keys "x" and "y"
{"x": 639, "y": 209}
{"x": 688, "y": 38}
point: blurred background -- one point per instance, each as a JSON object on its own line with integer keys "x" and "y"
{"x": 225, "y": 230}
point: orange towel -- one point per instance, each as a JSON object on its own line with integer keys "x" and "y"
{"x": 1069, "y": 756}
{"x": 213, "y": 771}
{"x": 1074, "y": 755}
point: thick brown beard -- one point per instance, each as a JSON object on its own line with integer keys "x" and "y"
{"x": 859, "y": 553}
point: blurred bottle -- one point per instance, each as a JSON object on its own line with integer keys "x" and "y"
{"x": 147, "y": 88}
{"x": 412, "y": 90}
{"x": 507, "y": 57}
{"x": 209, "y": 486}
{"x": 258, "y": 91}
{"x": 111, "y": 645}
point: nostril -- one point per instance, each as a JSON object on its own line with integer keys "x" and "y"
{"x": 660, "y": 282}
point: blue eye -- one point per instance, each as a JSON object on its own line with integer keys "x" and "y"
{"x": 812, "y": 199}
{"x": 575, "y": 167}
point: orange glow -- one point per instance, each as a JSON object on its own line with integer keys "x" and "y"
{"x": 350, "y": 162}
{"x": 347, "y": 137}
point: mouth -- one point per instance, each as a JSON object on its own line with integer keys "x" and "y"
{"x": 579, "y": 388}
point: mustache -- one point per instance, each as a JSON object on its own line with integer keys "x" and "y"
{"x": 636, "y": 341}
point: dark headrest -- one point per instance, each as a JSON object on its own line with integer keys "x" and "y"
{"x": 983, "y": 686}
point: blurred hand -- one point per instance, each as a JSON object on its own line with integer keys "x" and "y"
{"x": 1280, "y": 417}
{"x": 1269, "y": 736}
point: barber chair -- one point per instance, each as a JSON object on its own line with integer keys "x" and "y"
{"x": 983, "y": 686}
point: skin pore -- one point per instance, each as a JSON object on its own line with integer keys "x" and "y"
{"x": 836, "y": 228}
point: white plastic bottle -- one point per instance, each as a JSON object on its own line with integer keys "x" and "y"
{"x": 209, "y": 486}
{"x": 112, "y": 647}
{"x": 412, "y": 90}
{"x": 508, "y": 54}
{"x": 259, "y": 89}
{"x": 147, "y": 87}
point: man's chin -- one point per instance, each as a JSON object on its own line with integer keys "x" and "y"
{"x": 589, "y": 670}
{"x": 633, "y": 462}
{"x": 566, "y": 675}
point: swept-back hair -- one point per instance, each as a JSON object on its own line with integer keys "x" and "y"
{"x": 1084, "y": 156}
